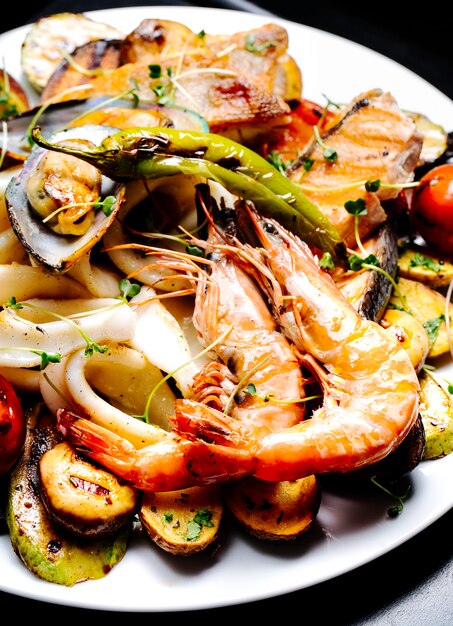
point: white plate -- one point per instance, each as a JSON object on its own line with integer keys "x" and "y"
{"x": 349, "y": 531}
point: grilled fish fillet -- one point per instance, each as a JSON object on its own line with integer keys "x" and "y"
{"x": 231, "y": 104}
{"x": 260, "y": 54}
{"x": 373, "y": 140}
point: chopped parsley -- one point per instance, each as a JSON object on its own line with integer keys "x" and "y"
{"x": 419, "y": 260}
{"x": 432, "y": 327}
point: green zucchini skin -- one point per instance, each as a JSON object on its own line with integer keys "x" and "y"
{"x": 45, "y": 549}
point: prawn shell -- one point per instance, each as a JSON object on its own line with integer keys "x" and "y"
{"x": 58, "y": 253}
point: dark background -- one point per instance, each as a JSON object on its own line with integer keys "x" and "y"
{"x": 413, "y": 584}
{"x": 417, "y": 36}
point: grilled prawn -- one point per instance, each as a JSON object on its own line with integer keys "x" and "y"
{"x": 370, "y": 387}
{"x": 232, "y": 316}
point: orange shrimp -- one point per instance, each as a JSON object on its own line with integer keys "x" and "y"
{"x": 230, "y": 314}
{"x": 168, "y": 464}
{"x": 370, "y": 386}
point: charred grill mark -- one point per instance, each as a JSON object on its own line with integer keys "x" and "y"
{"x": 162, "y": 146}
{"x": 230, "y": 163}
{"x": 360, "y": 104}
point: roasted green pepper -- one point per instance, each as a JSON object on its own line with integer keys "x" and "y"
{"x": 139, "y": 153}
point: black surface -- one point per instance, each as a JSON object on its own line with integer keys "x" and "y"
{"x": 412, "y": 585}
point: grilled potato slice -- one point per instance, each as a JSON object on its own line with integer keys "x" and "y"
{"x": 436, "y": 410}
{"x": 410, "y": 332}
{"x": 14, "y": 100}
{"x": 85, "y": 499}
{"x": 49, "y": 38}
{"x": 421, "y": 264}
{"x": 185, "y": 521}
{"x": 429, "y": 307}
{"x": 276, "y": 511}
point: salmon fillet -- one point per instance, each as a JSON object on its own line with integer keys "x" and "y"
{"x": 373, "y": 140}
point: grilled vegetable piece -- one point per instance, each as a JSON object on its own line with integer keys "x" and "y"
{"x": 183, "y": 522}
{"x": 404, "y": 459}
{"x": 85, "y": 499}
{"x": 429, "y": 307}
{"x": 45, "y": 549}
{"x": 431, "y": 208}
{"x": 12, "y": 426}
{"x": 369, "y": 290}
{"x": 424, "y": 265}
{"x": 13, "y": 99}
{"x": 95, "y": 57}
{"x": 436, "y": 410}
{"x": 435, "y": 138}
{"x": 275, "y": 511}
{"x": 50, "y": 38}
{"x": 411, "y": 334}
{"x": 143, "y": 153}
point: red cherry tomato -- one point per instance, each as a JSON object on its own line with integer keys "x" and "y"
{"x": 12, "y": 426}
{"x": 432, "y": 208}
{"x": 291, "y": 139}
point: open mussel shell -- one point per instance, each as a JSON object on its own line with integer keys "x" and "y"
{"x": 62, "y": 115}
{"x": 58, "y": 253}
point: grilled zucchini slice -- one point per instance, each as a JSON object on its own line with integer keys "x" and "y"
{"x": 51, "y": 38}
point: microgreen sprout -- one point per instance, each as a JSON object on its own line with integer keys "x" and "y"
{"x": 163, "y": 380}
{"x": 86, "y": 71}
{"x": 194, "y": 250}
{"x": 43, "y": 108}
{"x": 326, "y": 262}
{"x": 329, "y": 153}
{"x": 257, "y": 48}
{"x": 155, "y": 70}
{"x": 128, "y": 290}
{"x": 358, "y": 208}
{"x": 393, "y": 511}
{"x": 10, "y": 109}
{"x": 106, "y": 205}
{"x": 249, "y": 389}
{"x": 371, "y": 262}
{"x": 46, "y": 357}
{"x": 91, "y": 346}
{"x": 308, "y": 164}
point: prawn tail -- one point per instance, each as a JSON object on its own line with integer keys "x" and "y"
{"x": 198, "y": 422}
{"x": 90, "y": 439}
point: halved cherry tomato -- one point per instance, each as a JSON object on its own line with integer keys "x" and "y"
{"x": 12, "y": 426}
{"x": 291, "y": 139}
{"x": 432, "y": 208}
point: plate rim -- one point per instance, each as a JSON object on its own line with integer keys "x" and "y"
{"x": 428, "y": 520}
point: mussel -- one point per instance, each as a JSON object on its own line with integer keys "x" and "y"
{"x": 58, "y": 252}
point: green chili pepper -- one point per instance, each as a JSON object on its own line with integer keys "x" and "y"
{"x": 138, "y": 153}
